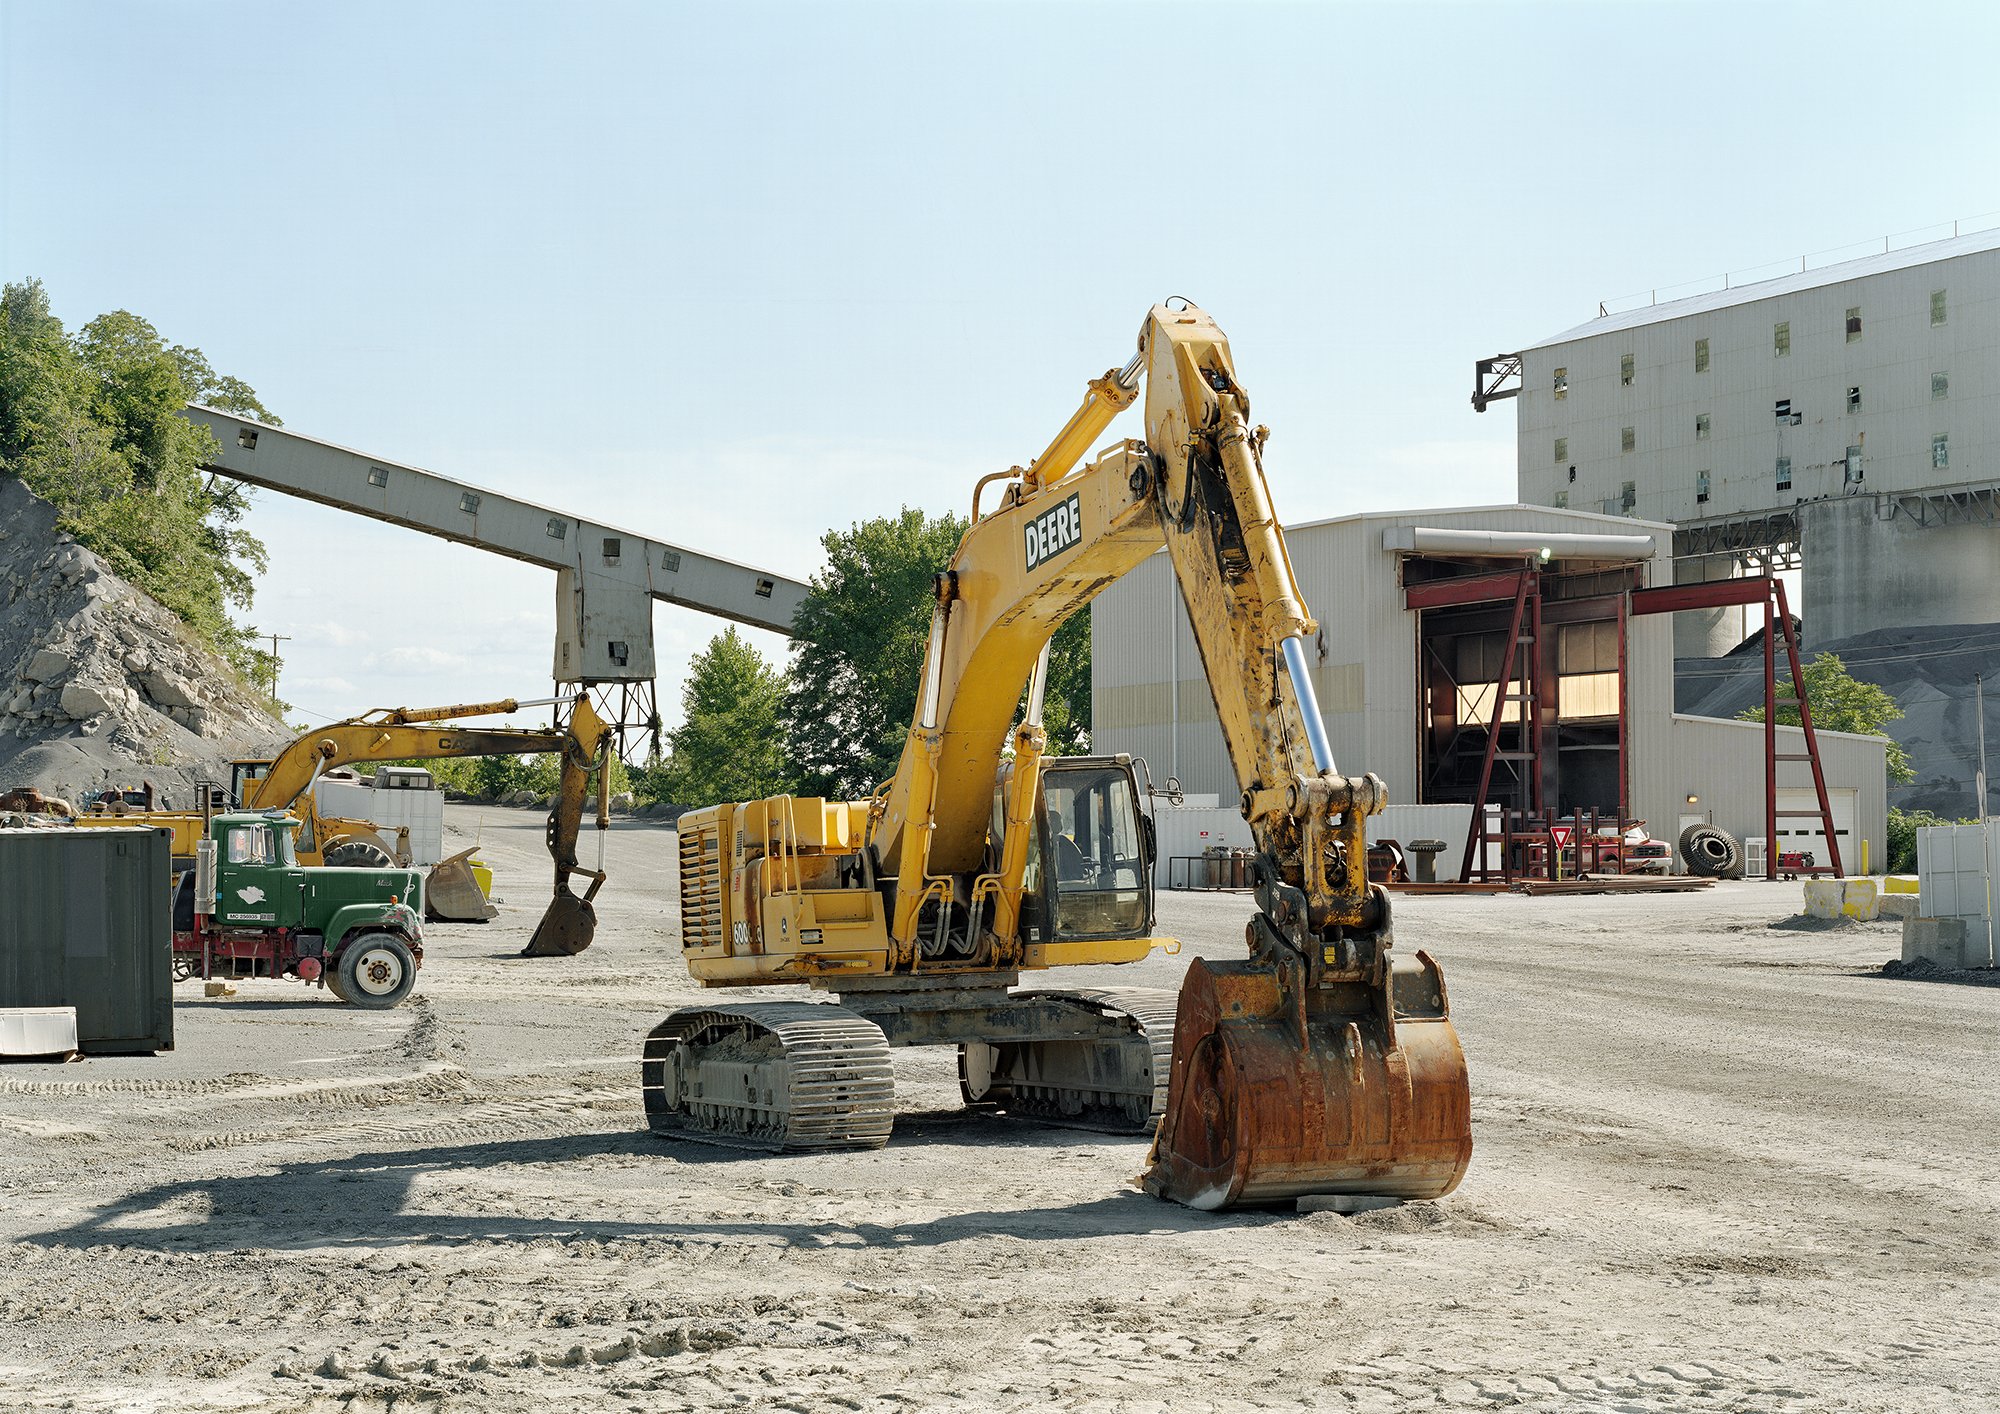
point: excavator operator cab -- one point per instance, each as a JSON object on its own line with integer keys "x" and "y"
{"x": 241, "y": 776}
{"x": 1090, "y": 868}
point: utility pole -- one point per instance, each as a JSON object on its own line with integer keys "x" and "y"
{"x": 276, "y": 639}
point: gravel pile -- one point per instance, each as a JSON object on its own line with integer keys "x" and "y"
{"x": 1929, "y": 670}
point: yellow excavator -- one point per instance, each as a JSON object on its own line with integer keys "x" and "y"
{"x": 1322, "y": 1063}
{"x": 426, "y": 734}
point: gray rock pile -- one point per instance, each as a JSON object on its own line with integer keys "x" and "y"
{"x": 1929, "y": 670}
{"x": 99, "y": 684}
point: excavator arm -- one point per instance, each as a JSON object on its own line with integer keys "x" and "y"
{"x": 427, "y": 734}
{"x": 1321, "y": 1063}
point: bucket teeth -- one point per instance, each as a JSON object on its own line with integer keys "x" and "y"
{"x": 770, "y": 1076}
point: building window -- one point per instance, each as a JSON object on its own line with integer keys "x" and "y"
{"x": 1853, "y": 465}
{"x": 1572, "y": 476}
{"x": 378, "y": 476}
{"x": 1562, "y": 383}
{"x": 1854, "y": 400}
{"x": 1627, "y": 439}
{"x": 1854, "y": 324}
{"x": 1562, "y": 449}
{"x": 1937, "y": 308}
{"x": 1628, "y": 497}
{"x": 1782, "y": 409}
{"x": 1781, "y": 339}
{"x": 1941, "y": 451}
{"x": 1701, "y": 427}
{"x": 1625, "y": 370}
{"x": 1940, "y": 387}
{"x": 1701, "y": 355}
{"x": 1587, "y": 670}
{"x": 1784, "y": 473}
{"x": 1701, "y": 488}
{"x": 1562, "y": 499}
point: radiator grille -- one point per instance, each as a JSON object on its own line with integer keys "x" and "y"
{"x": 701, "y": 887}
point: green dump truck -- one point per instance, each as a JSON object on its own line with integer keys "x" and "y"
{"x": 249, "y": 909}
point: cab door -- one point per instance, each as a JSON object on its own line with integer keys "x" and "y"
{"x": 1096, "y": 850}
{"x": 253, "y": 886}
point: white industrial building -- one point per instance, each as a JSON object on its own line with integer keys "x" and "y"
{"x": 1414, "y": 611}
{"x": 1843, "y": 420}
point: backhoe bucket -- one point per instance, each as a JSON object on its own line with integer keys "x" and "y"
{"x": 565, "y": 930}
{"x": 1258, "y": 1113}
{"x": 452, "y": 893}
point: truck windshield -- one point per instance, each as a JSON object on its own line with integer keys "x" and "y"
{"x": 249, "y": 844}
{"x": 1095, "y": 853}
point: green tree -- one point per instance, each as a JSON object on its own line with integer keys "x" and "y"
{"x": 1841, "y": 702}
{"x": 728, "y": 746}
{"x": 1903, "y": 827}
{"x": 859, "y": 642}
{"x": 91, "y": 422}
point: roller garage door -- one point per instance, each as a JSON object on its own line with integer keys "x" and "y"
{"x": 1799, "y": 833}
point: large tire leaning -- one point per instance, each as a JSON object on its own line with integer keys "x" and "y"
{"x": 376, "y": 971}
{"x": 357, "y": 854}
{"x": 1709, "y": 852}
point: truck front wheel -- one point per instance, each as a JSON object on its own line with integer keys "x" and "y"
{"x": 376, "y": 971}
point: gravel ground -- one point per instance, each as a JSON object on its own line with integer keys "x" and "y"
{"x": 1718, "y": 1166}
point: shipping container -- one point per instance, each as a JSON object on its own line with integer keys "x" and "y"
{"x": 85, "y": 923}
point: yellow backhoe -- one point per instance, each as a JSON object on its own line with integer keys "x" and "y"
{"x": 426, "y": 734}
{"x": 1321, "y": 1063}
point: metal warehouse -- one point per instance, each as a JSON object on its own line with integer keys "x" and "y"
{"x": 1425, "y": 614}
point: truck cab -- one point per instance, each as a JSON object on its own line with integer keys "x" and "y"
{"x": 357, "y": 931}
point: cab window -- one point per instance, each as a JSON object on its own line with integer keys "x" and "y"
{"x": 1094, "y": 850}
{"x": 248, "y": 844}
{"x": 287, "y": 856}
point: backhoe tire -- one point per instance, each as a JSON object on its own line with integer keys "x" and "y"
{"x": 376, "y": 971}
{"x": 357, "y": 854}
{"x": 1709, "y": 852}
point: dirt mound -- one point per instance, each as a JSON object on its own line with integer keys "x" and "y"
{"x": 99, "y": 684}
{"x": 1922, "y": 969}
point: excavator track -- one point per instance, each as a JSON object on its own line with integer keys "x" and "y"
{"x": 1114, "y": 1086}
{"x": 770, "y": 1076}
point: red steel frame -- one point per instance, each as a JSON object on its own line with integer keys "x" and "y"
{"x": 1527, "y": 605}
{"x": 1769, "y": 592}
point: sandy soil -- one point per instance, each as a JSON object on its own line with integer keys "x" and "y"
{"x": 1719, "y": 1167}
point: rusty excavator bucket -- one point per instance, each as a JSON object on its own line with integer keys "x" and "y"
{"x": 1323, "y": 1065}
{"x": 567, "y": 927}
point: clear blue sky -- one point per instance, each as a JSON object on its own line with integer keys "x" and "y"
{"x": 732, "y": 274}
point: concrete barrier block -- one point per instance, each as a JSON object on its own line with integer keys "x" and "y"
{"x": 1896, "y": 906}
{"x": 1938, "y": 941}
{"x": 1899, "y": 883}
{"x": 1858, "y": 898}
{"x": 1824, "y": 898}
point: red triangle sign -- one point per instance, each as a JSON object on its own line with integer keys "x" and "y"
{"x": 1560, "y": 834}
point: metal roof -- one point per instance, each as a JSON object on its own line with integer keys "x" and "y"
{"x": 1909, "y": 256}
